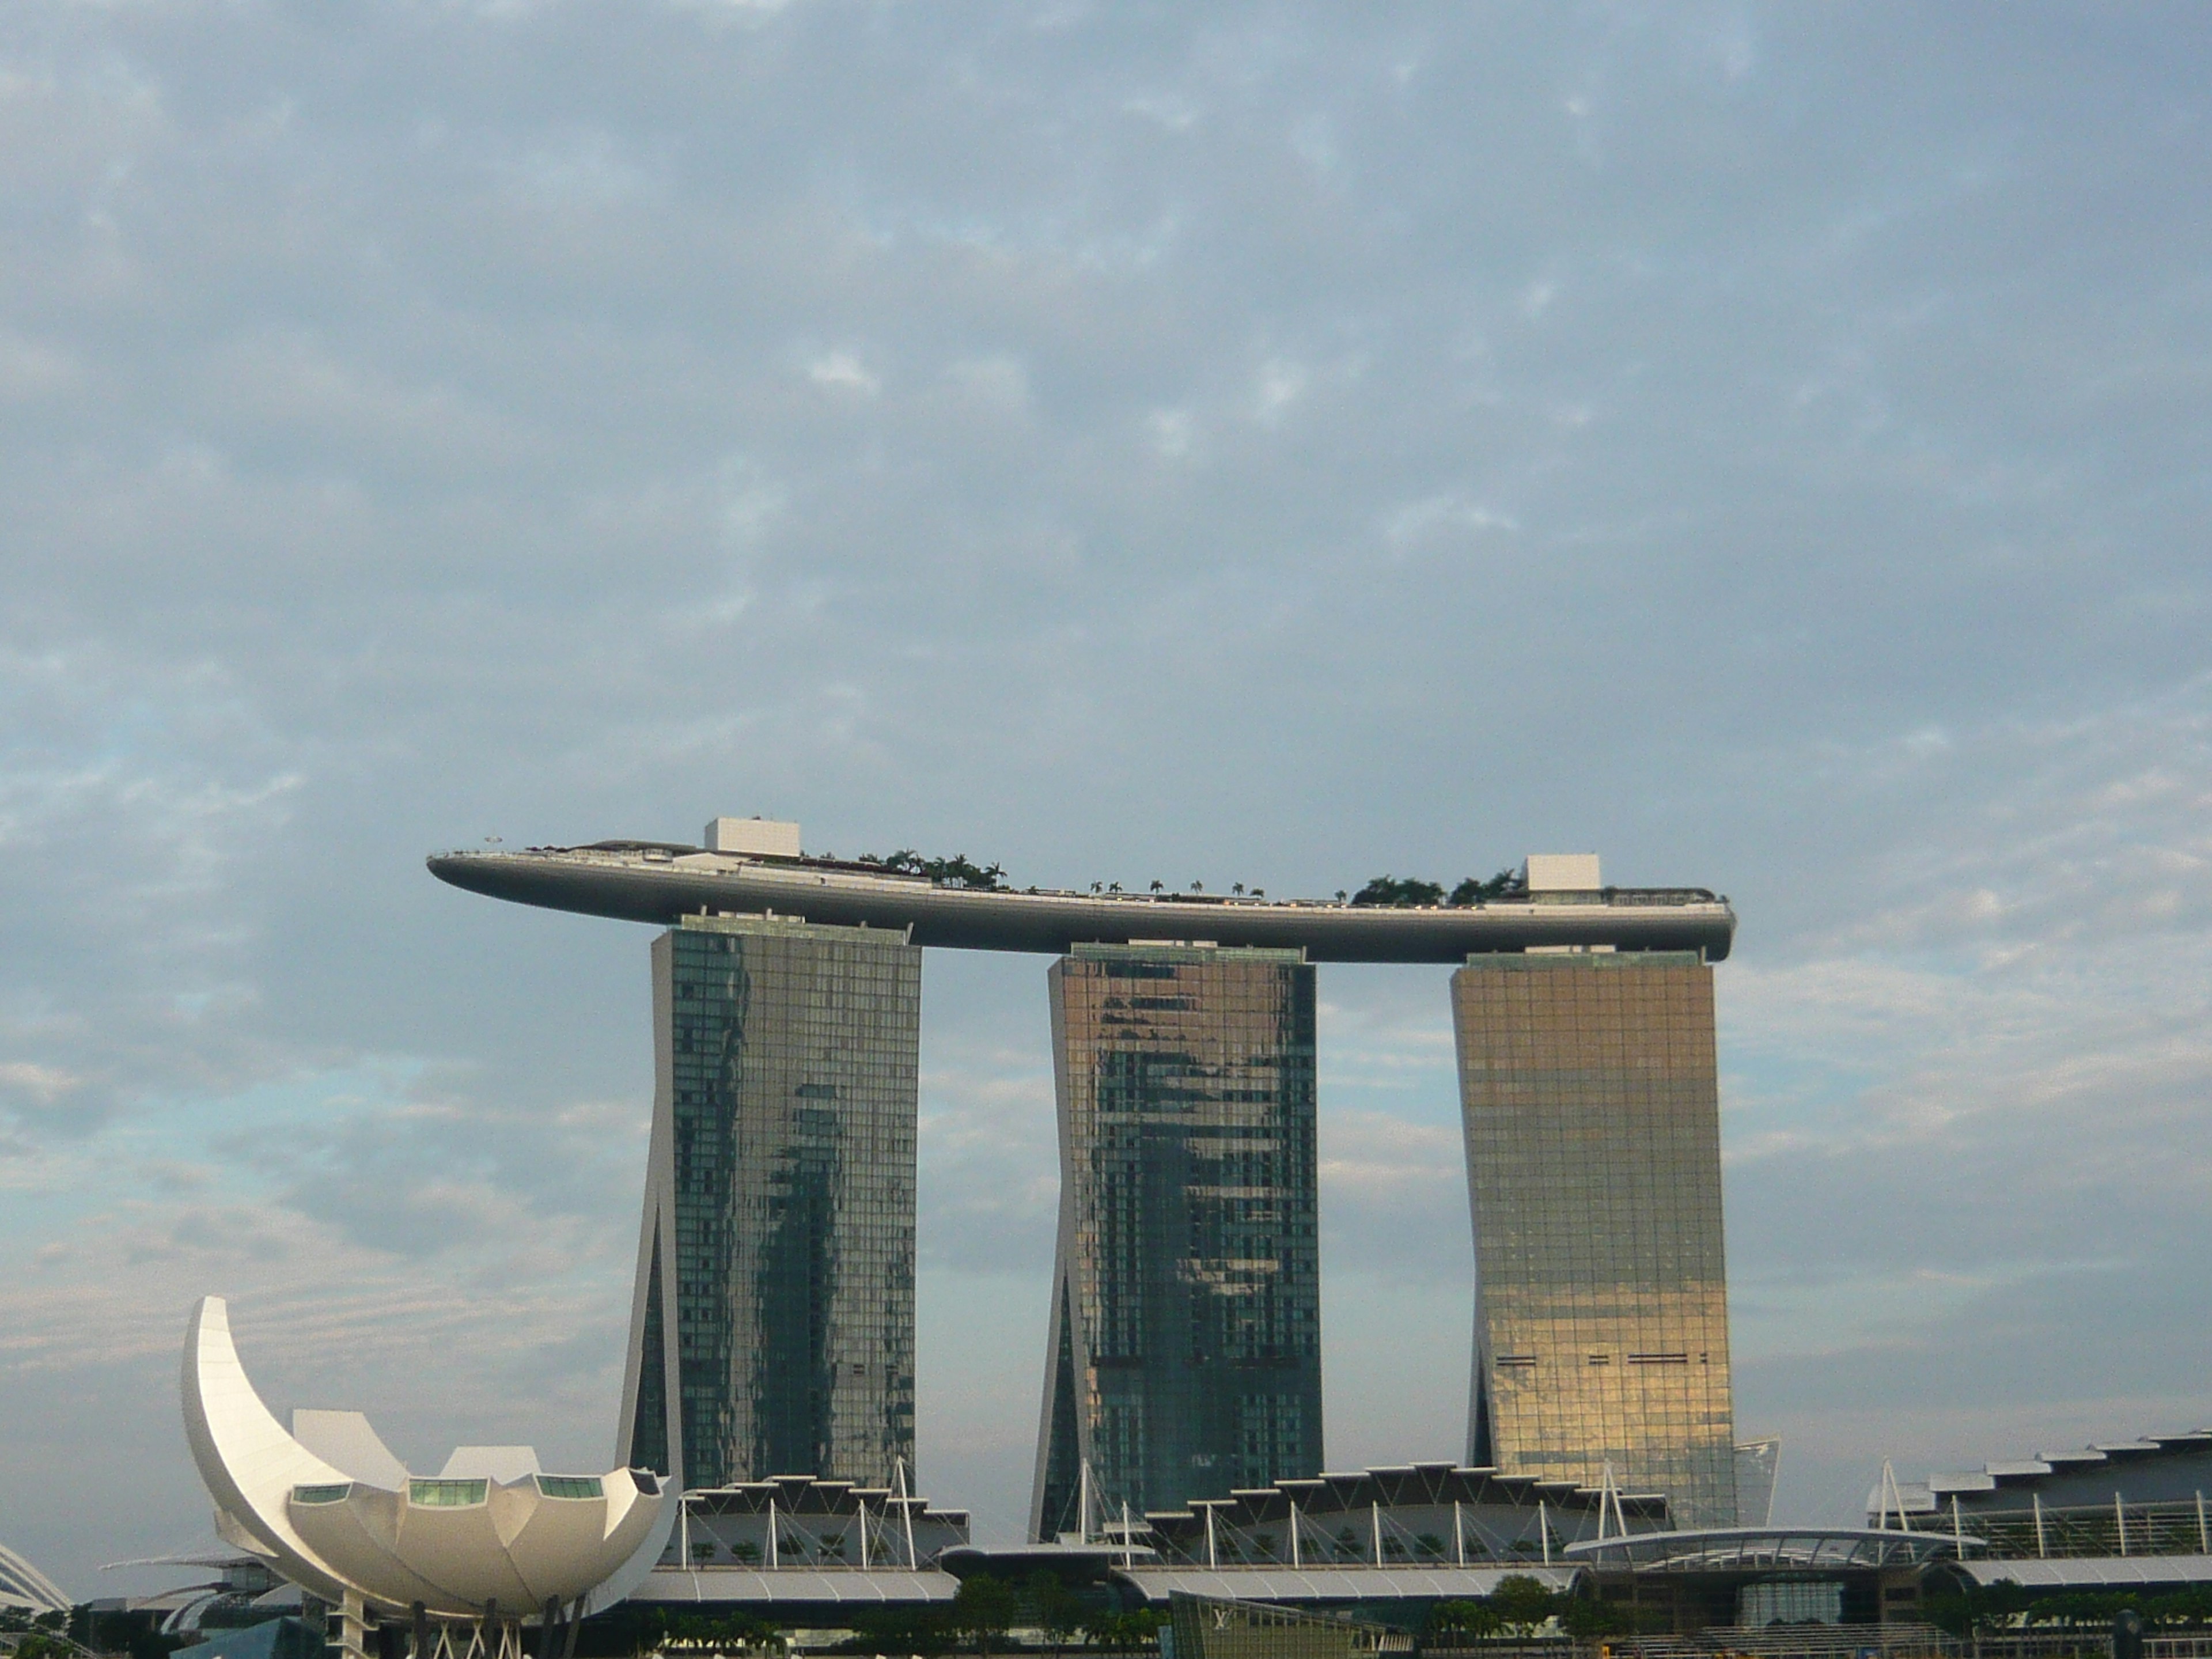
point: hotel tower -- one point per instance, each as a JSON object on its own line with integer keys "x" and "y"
{"x": 1184, "y": 1356}
{"x": 772, "y": 1329}
{"x": 1589, "y": 1096}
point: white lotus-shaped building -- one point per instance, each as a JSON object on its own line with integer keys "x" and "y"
{"x": 328, "y": 1506}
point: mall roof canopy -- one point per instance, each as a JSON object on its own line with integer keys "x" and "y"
{"x": 1765, "y": 1549}
{"x": 1313, "y": 1584}
{"x": 855, "y": 1586}
{"x": 2092, "y": 1571}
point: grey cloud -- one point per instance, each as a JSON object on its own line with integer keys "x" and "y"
{"x": 1271, "y": 445}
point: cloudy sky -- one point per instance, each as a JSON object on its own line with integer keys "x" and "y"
{"x": 1764, "y": 444}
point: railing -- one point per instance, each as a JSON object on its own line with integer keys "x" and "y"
{"x": 1895, "y": 1641}
{"x": 2167, "y": 1528}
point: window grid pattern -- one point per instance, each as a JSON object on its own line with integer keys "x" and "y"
{"x": 1591, "y": 1106}
{"x": 790, "y": 1063}
{"x": 1186, "y": 1341}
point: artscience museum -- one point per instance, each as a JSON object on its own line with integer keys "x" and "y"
{"x": 456, "y": 1561}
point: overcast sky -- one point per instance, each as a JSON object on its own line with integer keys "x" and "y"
{"x": 1766, "y": 445}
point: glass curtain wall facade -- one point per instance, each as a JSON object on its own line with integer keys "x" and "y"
{"x": 1184, "y": 1359}
{"x": 1590, "y": 1100}
{"x": 772, "y": 1329}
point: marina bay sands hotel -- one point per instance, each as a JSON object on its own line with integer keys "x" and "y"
{"x": 773, "y": 1328}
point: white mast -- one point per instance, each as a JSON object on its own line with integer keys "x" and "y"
{"x": 906, "y": 1513}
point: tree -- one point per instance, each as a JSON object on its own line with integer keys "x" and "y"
{"x": 1588, "y": 1620}
{"x": 1470, "y": 1620}
{"x": 1120, "y": 1631}
{"x": 958, "y": 871}
{"x": 1521, "y": 1603}
{"x": 903, "y": 1629}
{"x": 1059, "y": 1613}
{"x": 984, "y": 1608}
{"x": 1396, "y": 892}
{"x": 1980, "y": 1608}
{"x": 1472, "y": 891}
{"x": 1159, "y": 885}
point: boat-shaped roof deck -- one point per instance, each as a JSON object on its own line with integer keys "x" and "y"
{"x": 660, "y": 883}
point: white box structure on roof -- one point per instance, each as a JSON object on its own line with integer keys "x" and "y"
{"x": 770, "y": 837}
{"x": 1564, "y": 873}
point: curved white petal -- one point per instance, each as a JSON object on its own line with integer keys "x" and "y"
{"x": 647, "y": 1525}
{"x": 246, "y": 1460}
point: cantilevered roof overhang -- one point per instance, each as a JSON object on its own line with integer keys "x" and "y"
{"x": 2092, "y": 1572}
{"x": 848, "y": 1588}
{"x": 638, "y": 882}
{"x": 1766, "y": 1549}
{"x": 1308, "y": 1585}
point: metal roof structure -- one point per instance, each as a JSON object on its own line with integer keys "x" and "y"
{"x": 658, "y": 883}
{"x": 23, "y": 1586}
{"x": 2092, "y": 1572}
{"x": 791, "y": 1495}
{"x": 1407, "y": 1485}
{"x": 1310, "y": 1584}
{"x": 1765, "y": 1549}
{"x": 2155, "y": 1467}
{"x": 856, "y": 1587}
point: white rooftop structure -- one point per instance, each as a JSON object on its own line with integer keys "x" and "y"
{"x": 1564, "y": 873}
{"x": 763, "y": 837}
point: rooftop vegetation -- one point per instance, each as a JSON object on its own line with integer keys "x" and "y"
{"x": 958, "y": 871}
{"x": 1406, "y": 892}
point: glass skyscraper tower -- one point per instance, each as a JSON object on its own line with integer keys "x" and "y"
{"x": 1589, "y": 1094}
{"x": 1184, "y": 1359}
{"x": 772, "y": 1329}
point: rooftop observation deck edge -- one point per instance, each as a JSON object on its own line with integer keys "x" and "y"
{"x": 660, "y": 883}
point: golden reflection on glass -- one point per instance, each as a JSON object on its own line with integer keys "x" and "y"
{"x": 1591, "y": 1107}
